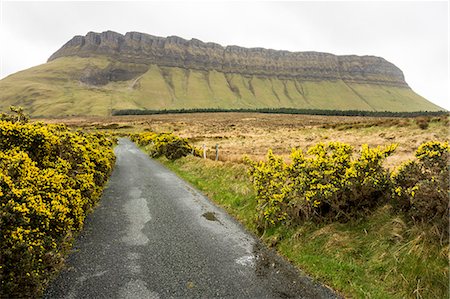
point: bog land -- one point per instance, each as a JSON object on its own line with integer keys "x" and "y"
{"x": 252, "y": 134}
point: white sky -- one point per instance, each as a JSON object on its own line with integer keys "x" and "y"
{"x": 412, "y": 35}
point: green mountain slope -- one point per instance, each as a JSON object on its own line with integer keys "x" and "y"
{"x": 101, "y": 72}
{"x": 54, "y": 89}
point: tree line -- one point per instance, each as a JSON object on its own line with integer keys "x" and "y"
{"x": 282, "y": 111}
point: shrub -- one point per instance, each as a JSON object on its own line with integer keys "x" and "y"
{"x": 423, "y": 122}
{"x": 269, "y": 178}
{"x": 17, "y": 116}
{"x": 50, "y": 178}
{"x": 325, "y": 184}
{"x": 422, "y": 187}
{"x": 164, "y": 144}
{"x": 367, "y": 182}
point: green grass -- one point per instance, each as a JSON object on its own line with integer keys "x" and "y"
{"x": 53, "y": 89}
{"x": 381, "y": 256}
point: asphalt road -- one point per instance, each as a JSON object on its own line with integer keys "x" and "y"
{"x": 154, "y": 236}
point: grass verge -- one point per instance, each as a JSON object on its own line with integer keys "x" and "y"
{"x": 381, "y": 256}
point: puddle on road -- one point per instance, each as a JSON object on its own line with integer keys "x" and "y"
{"x": 211, "y": 216}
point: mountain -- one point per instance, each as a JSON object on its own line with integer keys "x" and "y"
{"x": 101, "y": 72}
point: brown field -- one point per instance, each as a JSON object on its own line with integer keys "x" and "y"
{"x": 252, "y": 134}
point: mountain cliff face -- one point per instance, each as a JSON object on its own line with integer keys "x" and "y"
{"x": 143, "y": 49}
{"x": 101, "y": 72}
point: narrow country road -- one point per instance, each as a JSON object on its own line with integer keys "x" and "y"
{"x": 154, "y": 236}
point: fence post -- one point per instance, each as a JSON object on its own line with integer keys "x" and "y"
{"x": 217, "y": 152}
{"x": 204, "y": 151}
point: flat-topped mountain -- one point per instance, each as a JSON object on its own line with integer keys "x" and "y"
{"x": 101, "y": 72}
{"x": 173, "y": 51}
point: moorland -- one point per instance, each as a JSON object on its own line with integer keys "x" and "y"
{"x": 252, "y": 134}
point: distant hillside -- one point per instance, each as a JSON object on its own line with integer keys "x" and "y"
{"x": 101, "y": 72}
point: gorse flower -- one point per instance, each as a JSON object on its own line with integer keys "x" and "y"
{"x": 50, "y": 177}
{"x": 422, "y": 187}
{"x": 164, "y": 144}
{"x": 326, "y": 183}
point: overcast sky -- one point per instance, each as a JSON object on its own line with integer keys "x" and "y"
{"x": 412, "y": 35}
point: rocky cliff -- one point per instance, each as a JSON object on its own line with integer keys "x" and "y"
{"x": 138, "y": 50}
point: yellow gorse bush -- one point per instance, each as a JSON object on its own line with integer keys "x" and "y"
{"x": 326, "y": 183}
{"x": 422, "y": 187}
{"x": 330, "y": 183}
{"x": 50, "y": 178}
{"x": 164, "y": 144}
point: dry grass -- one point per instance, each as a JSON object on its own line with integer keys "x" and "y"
{"x": 253, "y": 134}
